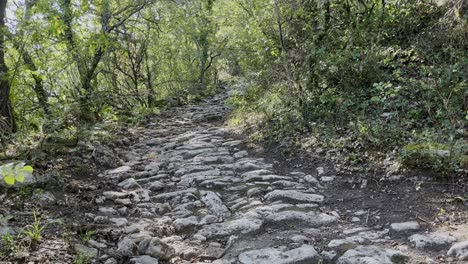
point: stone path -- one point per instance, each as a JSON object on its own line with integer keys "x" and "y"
{"x": 190, "y": 193}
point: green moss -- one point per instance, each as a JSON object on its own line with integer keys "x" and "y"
{"x": 426, "y": 147}
{"x": 433, "y": 156}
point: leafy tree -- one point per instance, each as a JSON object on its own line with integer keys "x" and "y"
{"x": 7, "y": 119}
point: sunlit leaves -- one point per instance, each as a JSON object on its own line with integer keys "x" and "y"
{"x": 15, "y": 172}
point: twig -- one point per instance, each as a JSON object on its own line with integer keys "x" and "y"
{"x": 421, "y": 219}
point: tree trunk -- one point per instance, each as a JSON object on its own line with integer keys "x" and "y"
{"x": 149, "y": 81}
{"x": 6, "y": 109}
{"x": 38, "y": 86}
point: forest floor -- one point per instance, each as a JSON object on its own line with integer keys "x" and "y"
{"x": 185, "y": 188}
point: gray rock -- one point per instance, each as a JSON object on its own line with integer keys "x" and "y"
{"x": 214, "y": 204}
{"x": 188, "y": 179}
{"x": 214, "y": 159}
{"x": 6, "y": 230}
{"x": 303, "y": 254}
{"x": 459, "y": 250}
{"x": 119, "y": 221}
{"x": 327, "y": 178}
{"x": 294, "y": 195}
{"x": 85, "y": 251}
{"x": 96, "y": 244}
{"x": 108, "y": 211}
{"x": 191, "y": 169}
{"x": 44, "y": 198}
{"x": 156, "y": 186}
{"x": 183, "y": 223}
{"x": 300, "y": 239}
{"x": 126, "y": 247}
{"x": 238, "y": 226}
{"x": 119, "y": 170}
{"x": 246, "y": 166}
{"x": 111, "y": 261}
{"x": 154, "y": 247}
{"x": 129, "y": 183}
{"x": 312, "y": 180}
{"x": 115, "y": 195}
{"x": 405, "y": 227}
{"x": 169, "y": 195}
{"x": 328, "y": 255}
{"x": 266, "y": 178}
{"x": 153, "y": 167}
{"x": 360, "y": 238}
{"x": 285, "y": 184}
{"x": 320, "y": 171}
{"x": 144, "y": 260}
{"x": 435, "y": 240}
{"x": 342, "y": 243}
{"x": 105, "y": 157}
{"x": 311, "y": 218}
{"x": 208, "y": 219}
{"x": 241, "y": 154}
{"x": 255, "y": 173}
{"x": 125, "y": 202}
{"x": 372, "y": 255}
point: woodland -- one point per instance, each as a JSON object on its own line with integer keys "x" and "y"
{"x": 375, "y": 85}
{"x": 382, "y": 74}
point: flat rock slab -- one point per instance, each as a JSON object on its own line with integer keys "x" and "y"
{"x": 119, "y": 170}
{"x": 303, "y": 254}
{"x": 309, "y": 218}
{"x": 405, "y": 227}
{"x": 360, "y": 238}
{"x": 214, "y": 204}
{"x": 255, "y": 173}
{"x": 144, "y": 260}
{"x": 294, "y": 195}
{"x": 266, "y": 178}
{"x": 372, "y": 255}
{"x": 238, "y": 226}
{"x": 435, "y": 240}
{"x": 170, "y": 195}
{"x": 459, "y": 251}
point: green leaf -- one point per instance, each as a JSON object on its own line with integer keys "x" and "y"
{"x": 28, "y": 169}
{"x": 20, "y": 177}
{"x": 9, "y": 179}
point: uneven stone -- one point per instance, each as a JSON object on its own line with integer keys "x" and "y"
{"x": 294, "y": 195}
{"x": 188, "y": 192}
{"x": 119, "y": 170}
{"x": 183, "y": 223}
{"x": 436, "y": 240}
{"x": 372, "y": 255}
{"x": 115, "y": 195}
{"x": 214, "y": 203}
{"x": 459, "y": 251}
{"x": 86, "y": 251}
{"x": 144, "y": 260}
{"x": 309, "y": 218}
{"x": 241, "y": 154}
{"x": 156, "y": 186}
{"x": 239, "y": 226}
{"x": 126, "y": 247}
{"x": 255, "y": 173}
{"x": 405, "y": 227}
{"x": 154, "y": 247}
{"x": 303, "y": 254}
{"x": 129, "y": 183}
